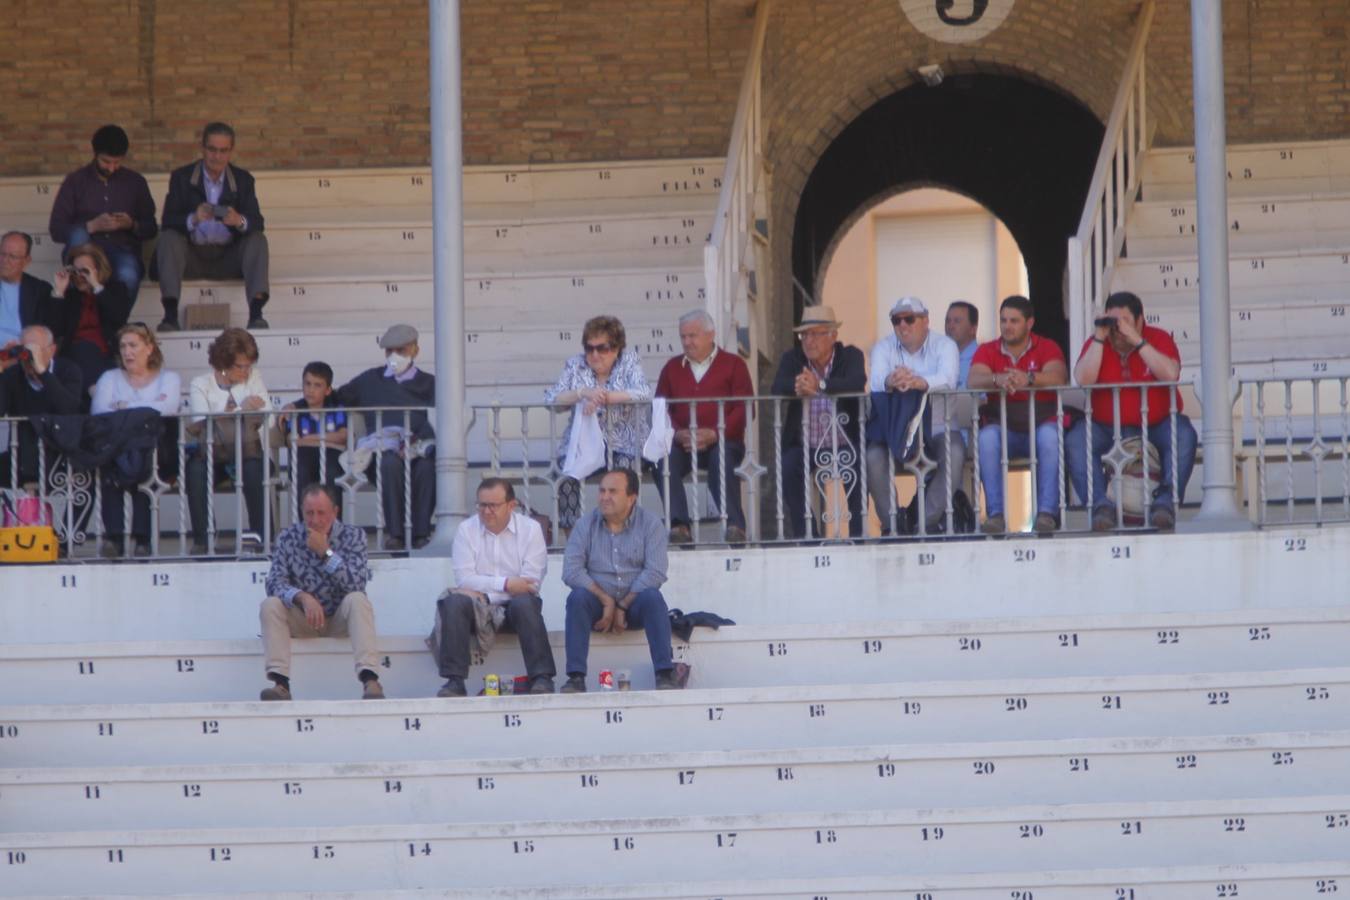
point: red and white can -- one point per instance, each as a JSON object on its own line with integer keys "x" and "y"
{"x": 606, "y": 679}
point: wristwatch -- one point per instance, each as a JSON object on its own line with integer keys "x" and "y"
{"x": 1031, "y": 379}
{"x": 328, "y": 554}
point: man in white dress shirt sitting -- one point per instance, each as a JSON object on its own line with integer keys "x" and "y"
{"x": 915, "y": 358}
{"x": 499, "y": 560}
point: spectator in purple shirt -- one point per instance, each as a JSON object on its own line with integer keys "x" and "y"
{"x": 109, "y": 205}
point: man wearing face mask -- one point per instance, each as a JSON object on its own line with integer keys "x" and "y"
{"x": 404, "y": 438}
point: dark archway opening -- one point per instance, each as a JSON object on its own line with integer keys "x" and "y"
{"x": 1023, "y": 150}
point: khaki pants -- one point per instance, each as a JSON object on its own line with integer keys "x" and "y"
{"x": 354, "y": 617}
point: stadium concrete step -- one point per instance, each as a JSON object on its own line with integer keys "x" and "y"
{"x": 1254, "y": 170}
{"x": 1280, "y": 881}
{"x": 696, "y": 848}
{"x": 1152, "y": 277}
{"x": 601, "y": 786}
{"x": 1254, "y": 226}
{"x": 411, "y": 186}
{"x": 559, "y": 299}
{"x": 741, "y": 656}
{"x": 734, "y": 718}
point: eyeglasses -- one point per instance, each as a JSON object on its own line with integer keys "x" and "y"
{"x": 491, "y": 507}
{"x": 13, "y": 256}
{"x": 903, "y": 320}
{"x": 85, "y": 272}
{"x": 816, "y": 333}
{"x": 598, "y": 348}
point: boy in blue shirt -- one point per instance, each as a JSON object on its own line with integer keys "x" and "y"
{"x": 320, "y": 427}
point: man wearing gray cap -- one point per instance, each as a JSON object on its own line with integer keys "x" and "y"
{"x": 916, "y": 358}
{"x": 404, "y": 439}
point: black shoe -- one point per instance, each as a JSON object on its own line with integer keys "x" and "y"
{"x": 576, "y": 684}
{"x": 169, "y": 323}
{"x": 453, "y": 687}
{"x": 257, "y": 323}
{"x": 420, "y": 542}
{"x": 542, "y": 684}
{"x": 666, "y": 680}
{"x": 1103, "y": 518}
{"x": 275, "y": 692}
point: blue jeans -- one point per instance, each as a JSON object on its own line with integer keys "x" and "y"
{"x": 648, "y": 611}
{"x": 1103, "y": 436}
{"x": 1047, "y": 465}
{"x": 126, "y": 265}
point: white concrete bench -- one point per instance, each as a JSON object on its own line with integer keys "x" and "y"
{"x": 740, "y": 656}
{"x": 1254, "y": 170}
{"x": 693, "y": 849}
{"x": 740, "y": 718}
{"x": 658, "y": 783}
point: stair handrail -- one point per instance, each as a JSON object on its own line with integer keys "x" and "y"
{"x": 725, "y": 277}
{"x": 1095, "y": 248}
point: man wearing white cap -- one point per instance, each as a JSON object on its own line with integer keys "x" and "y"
{"x": 915, "y": 358}
{"x": 404, "y": 437}
{"x": 820, "y": 367}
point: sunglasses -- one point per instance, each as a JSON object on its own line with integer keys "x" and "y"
{"x": 905, "y": 320}
{"x": 598, "y": 348}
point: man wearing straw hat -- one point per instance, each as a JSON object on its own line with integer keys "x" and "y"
{"x": 815, "y": 372}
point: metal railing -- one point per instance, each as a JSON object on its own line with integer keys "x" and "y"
{"x": 525, "y": 445}
{"x": 96, "y": 512}
{"x": 1295, "y": 456}
{"x": 1096, "y": 246}
{"x": 726, "y": 274}
{"x": 1295, "y": 452}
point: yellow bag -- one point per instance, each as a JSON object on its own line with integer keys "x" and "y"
{"x": 28, "y": 544}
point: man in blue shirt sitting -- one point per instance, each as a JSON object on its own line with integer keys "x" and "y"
{"x": 615, "y": 564}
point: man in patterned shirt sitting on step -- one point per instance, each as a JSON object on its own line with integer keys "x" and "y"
{"x": 316, "y": 588}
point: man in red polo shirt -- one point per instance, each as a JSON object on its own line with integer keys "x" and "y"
{"x": 1129, "y": 351}
{"x": 704, "y": 373}
{"x": 1011, "y": 363}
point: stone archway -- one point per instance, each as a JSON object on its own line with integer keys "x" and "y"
{"x": 1022, "y": 149}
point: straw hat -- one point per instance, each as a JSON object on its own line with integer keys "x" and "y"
{"x": 815, "y": 316}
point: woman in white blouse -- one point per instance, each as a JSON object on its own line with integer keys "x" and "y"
{"x": 232, "y": 386}
{"x": 139, "y": 381}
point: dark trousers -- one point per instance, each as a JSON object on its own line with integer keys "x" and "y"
{"x": 92, "y": 362}
{"x": 114, "y": 514}
{"x": 648, "y": 611}
{"x": 794, "y": 495}
{"x": 306, "y": 464}
{"x": 423, "y": 495}
{"x": 1078, "y": 461}
{"x": 681, "y": 461}
{"x": 177, "y": 258}
{"x": 199, "y": 492}
{"x": 524, "y": 617}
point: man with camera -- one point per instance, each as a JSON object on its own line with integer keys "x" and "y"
{"x": 1124, "y": 350}
{"x": 35, "y": 383}
{"x": 213, "y": 229}
{"x": 107, "y": 204}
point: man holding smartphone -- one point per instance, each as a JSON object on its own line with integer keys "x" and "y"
{"x": 213, "y": 229}
{"x": 109, "y": 205}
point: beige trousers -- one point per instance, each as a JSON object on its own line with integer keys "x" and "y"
{"x": 354, "y": 617}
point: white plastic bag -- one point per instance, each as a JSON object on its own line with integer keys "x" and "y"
{"x": 662, "y": 436}
{"x": 585, "y": 446}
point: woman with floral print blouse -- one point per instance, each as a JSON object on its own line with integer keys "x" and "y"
{"x": 606, "y": 379}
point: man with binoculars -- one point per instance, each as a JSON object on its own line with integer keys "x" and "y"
{"x": 212, "y": 228}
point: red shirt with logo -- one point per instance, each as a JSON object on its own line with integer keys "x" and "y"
{"x": 1039, "y": 353}
{"x": 1117, "y": 369}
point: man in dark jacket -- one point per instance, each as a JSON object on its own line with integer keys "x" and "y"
{"x": 24, "y": 300}
{"x": 213, "y": 228}
{"x": 820, "y": 367}
{"x": 107, "y": 204}
{"x": 404, "y": 437}
{"x": 37, "y": 384}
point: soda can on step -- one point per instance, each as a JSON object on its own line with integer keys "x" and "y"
{"x": 492, "y": 685}
{"x": 606, "y": 679}
{"x": 521, "y": 684}
{"x": 623, "y": 680}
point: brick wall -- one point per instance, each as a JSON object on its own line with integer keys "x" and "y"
{"x": 343, "y": 83}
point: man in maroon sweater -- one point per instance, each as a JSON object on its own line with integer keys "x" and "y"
{"x": 706, "y": 374}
